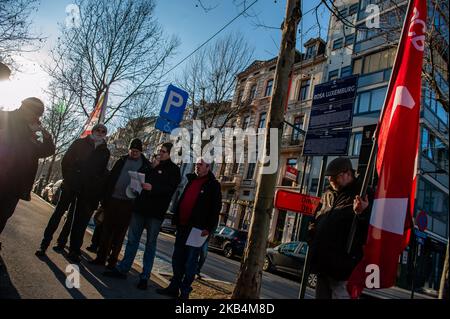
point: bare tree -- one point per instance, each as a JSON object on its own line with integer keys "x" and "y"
{"x": 62, "y": 121}
{"x": 116, "y": 44}
{"x": 15, "y": 22}
{"x": 210, "y": 79}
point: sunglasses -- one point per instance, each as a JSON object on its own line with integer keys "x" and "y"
{"x": 101, "y": 131}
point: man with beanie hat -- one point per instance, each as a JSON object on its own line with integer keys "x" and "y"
{"x": 149, "y": 210}
{"x": 84, "y": 170}
{"x": 330, "y": 229}
{"x": 117, "y": 205}
{"x": 20, "y": 150}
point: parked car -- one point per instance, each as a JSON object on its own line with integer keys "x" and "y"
{"x": 44, "y": 193}
{"x": 228, "y": 240}
{"x": 167, "y": 226}
{"x": 288, "y": 258}
{"x": 54, "y": 192}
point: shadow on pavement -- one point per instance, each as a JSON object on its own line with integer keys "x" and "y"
{"x": 61, "y": 276}
{"x": 113, "y": 288}
{"x": 7, "y": 289}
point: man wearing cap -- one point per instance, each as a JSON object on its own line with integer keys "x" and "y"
{"x": 20, "y": 150}
{"x": 83, "y": 169}
{"x": 118, "y": 206}
{"x": 149, "y": 210}
{"x": 330, "y": 229}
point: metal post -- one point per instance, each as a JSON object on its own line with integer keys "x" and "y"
{"x": 306, "y": 264}
{"x": 416, "y": 248}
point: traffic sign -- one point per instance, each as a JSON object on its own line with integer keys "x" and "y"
{"x": 420, "y": 234}
{"x": 296, "y": 202}
{"x": 165, "y": 125}
{"x": 422, "y": 221}
{"x": 172, "y": 109}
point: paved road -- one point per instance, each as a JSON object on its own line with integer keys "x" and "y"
{"x": 26, "y": 276}
{"x": 221, "y": 268}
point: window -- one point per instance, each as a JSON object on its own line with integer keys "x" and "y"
{"x": 342, "y": 12}
{"x": 337, "y": 44}
{"x": 304, "y": 90}
{"x": 262, "y": 120}
{"x": 289, "y": 248}
{"x": 378, "y": 61}
{"x": 333, "y": 75}
{"x": 357, "y": 66}
{"x": 355, "y": 144}
{"x": 346, "y": 71}
{"x": 250, "y": 171}
{"x": 246, "y": 122}
{"x": 370, "y": 101}
{"x": 349, "y": 39}
{"x": 246, "y": 193}
{"x": 298, "y": 121}
{"x": 269, "y": 88}
{"x": 353, "y": 9}
{"x": 310, "y": 52}
{"x": 252, "y": 92}
{"x": 434, "y": 149}
{"x": 239, "y": 98}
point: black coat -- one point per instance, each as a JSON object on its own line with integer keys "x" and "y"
{"x": 330, "y": 230}
{"x": 205, "y": 214}
{"x": 164, "y": 179}
{"x": 114, "y": 174}
{"x": 84, "y": 169}
{"x": 19, "y": 155}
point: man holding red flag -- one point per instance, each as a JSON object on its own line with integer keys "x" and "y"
{"x": 397, "y": 142}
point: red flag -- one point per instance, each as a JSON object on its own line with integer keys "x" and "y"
{"x": 97, "y": 115}
{"x": 398, "y": 131}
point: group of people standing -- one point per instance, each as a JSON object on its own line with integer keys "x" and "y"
{"x": 89, "y": 186}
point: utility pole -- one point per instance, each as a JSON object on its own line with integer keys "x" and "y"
{"x": 248, "y": 284}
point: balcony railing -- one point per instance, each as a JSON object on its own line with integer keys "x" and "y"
{"x": 291, "y": 140}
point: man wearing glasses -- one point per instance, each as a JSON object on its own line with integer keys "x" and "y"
{"x": 149, "y": 210}
{"x": 84, "y": 171}
{"x": 331, "y": 227}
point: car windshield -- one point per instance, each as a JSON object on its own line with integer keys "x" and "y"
{"x": 227, "y": 231}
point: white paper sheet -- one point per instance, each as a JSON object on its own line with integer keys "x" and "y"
{"x": 136, "y": 181}
{"x": 195, "y": 238}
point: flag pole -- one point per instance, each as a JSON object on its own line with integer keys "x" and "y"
{"x": 101, "y": 118}
{"x": 374, "y": 149}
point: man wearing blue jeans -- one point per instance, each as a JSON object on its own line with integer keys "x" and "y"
{"x": 150, "y": 206}
{"x": 199, "y": 206}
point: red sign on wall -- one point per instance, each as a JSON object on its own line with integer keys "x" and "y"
{"x": 291, "y": 173}
{"x": 296, "y": 202}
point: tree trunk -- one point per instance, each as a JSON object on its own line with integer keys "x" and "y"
{"x": 249, "y": 280}
{"x": 443, "y": 289}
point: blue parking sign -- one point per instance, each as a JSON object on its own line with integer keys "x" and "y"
{"x": 165, "y": 125}
{"x": 174, "y": 104}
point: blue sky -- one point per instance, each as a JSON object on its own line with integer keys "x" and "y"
{"x": 184, "y": 18}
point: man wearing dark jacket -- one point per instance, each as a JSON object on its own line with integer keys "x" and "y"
{"x": 330, "y": 230}
{"x": 118, "y": 206}
{"x": 20, "y": 151}
{"x": 82, "y": 153}
{"x": 199, "y": 206}
{"x": 150, "y": 207}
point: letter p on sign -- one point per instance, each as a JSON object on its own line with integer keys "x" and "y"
{"x": 174, "y": 104}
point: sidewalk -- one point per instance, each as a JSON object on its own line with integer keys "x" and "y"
{"x": 26, "y": 276}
